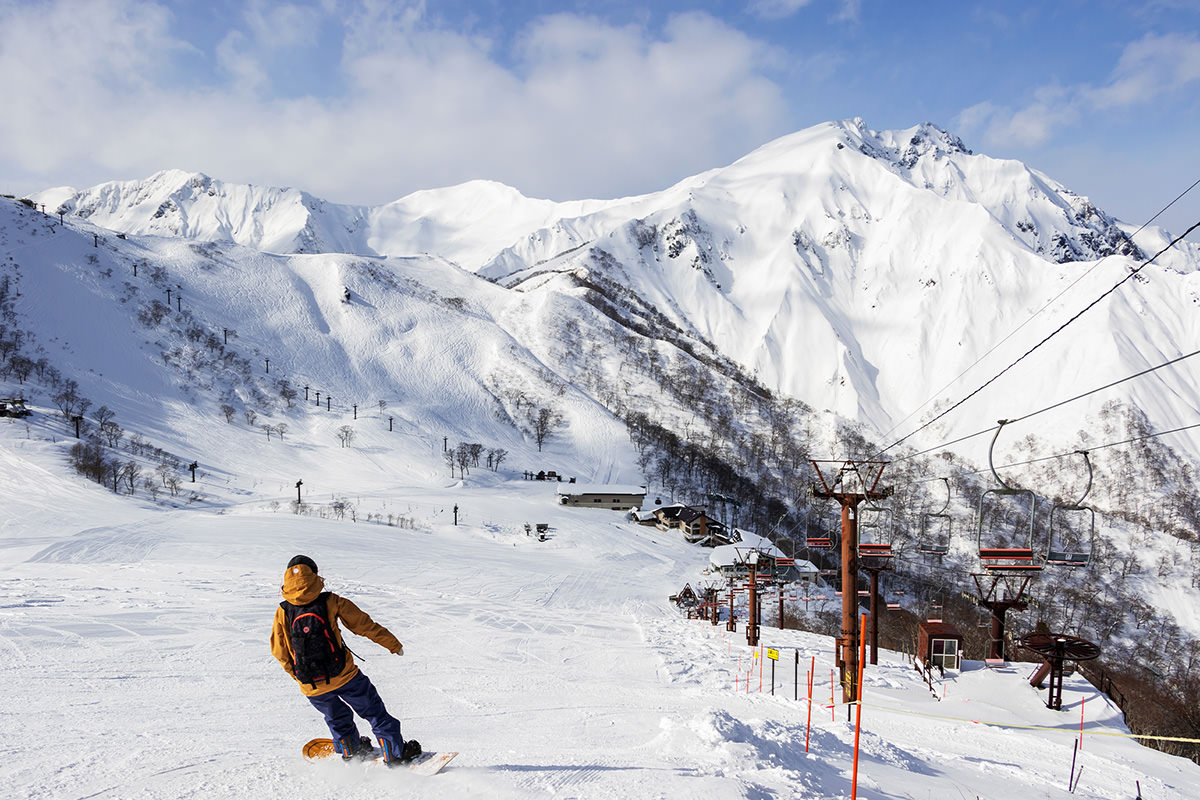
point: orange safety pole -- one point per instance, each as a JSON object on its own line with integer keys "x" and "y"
{"x": 832, "y": 704}
{"x": 810, "y": 688}
{"x": 760, "y": 667}
{"x": 858, "y": 712}
{"x": 1081, "y": 702}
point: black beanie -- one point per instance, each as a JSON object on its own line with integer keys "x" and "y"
{"x": 305, "y": 560}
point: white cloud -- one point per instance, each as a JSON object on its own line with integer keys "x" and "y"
{"x": 847, "y": 10}
{"x": 1152, "y": 66}
{"x": 282, "y": 25}
{"x": 1148, "y": 69}
{"x": 776, "y": 9}
{"x": 580, "y": 108}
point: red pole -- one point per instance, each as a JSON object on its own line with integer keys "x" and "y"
{"x": 862, "y": 641}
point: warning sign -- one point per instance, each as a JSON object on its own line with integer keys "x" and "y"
{"x": 772, "y": 654}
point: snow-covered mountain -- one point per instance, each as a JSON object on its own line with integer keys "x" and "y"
{"x": 865, "y": 272}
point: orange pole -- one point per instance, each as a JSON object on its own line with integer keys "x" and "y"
{"x": 862, "y": 642}
{"x": 1081, "y": 702}
{"x": 832, "y": 705}
{"x": 808, "y": 730}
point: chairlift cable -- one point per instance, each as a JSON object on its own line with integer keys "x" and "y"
{"x": 1051, "y": 407}
{"x": 1035, "y": 314}
{"x": 1132, "y": 273}
{"x": 1090, "y": 449}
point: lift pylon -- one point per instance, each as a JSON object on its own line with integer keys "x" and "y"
{"x": 850, "y": 482}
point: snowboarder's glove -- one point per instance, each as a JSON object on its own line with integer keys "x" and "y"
{"x": 400, "y": 652}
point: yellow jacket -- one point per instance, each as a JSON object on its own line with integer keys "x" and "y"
{"x": 302, "y": 586}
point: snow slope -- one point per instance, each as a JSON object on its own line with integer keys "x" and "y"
{"x": 137, "y": 644}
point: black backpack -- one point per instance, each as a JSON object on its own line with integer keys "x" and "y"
{"x": 319, "y": 656}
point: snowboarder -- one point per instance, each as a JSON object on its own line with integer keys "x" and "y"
{"x": 307, "y": 642}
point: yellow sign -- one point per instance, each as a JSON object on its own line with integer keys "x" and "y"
{"x": 772, "y": 654}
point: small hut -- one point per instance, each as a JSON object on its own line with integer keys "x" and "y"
{"x": 939, "y": 644}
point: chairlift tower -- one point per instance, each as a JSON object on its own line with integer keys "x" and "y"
{"x": 850, "y": 482}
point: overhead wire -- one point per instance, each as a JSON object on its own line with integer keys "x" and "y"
{"x": 1045, "y": 339}
{"x": 1051, "y": 407}
{"x": 1039, "y": 459}
{"x": 1038, "y": 312}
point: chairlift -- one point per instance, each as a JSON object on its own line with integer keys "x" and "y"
{"x": 997, "y": 553}
{"x": 876, "y": 530}
{"x": 936, "y": 527}
{"x": 935, "y": 609}
{"x": 1069, "y": 546}
{"x": 821, "y": 540}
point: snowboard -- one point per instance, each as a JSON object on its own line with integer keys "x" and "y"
{"x": 428, "y": 763}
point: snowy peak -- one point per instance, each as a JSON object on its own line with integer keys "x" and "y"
{"x": 812, "y": 176}
{"x": 905, "y": 148}
{"x": 194, "y": 206}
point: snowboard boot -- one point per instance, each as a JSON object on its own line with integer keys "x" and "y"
{"x": 359, "y": 748}
{"x": 395, "y": 757}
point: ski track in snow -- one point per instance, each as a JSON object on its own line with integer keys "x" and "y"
{"x": 558, "y": 670}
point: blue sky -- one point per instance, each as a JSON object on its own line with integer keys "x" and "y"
{"x": 365, "y": 101}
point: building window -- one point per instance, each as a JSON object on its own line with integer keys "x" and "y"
{"x": 944, "y": 653}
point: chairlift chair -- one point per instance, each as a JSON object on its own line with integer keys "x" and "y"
{"x": 1067, "y": 547}
{"x": 821, "y": 540}
{"x": 936, "y": 529}
{"x": 877, "y": 527}
{"x": 999, "y": 556}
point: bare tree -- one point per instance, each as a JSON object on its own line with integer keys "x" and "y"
{"x": 269, "y": 428}
{"x": 130, "y": 471}
{"x": 228, "y": 411}
{"x": 281, "y": 429}
{"x": 345, "y": 435}
{"x": 250, "y": 415}
{"x": 287, "y": 392}
{"x": 103, "y": 414}
{"x": 111, "y": 432}
{"x": 545, "y": 420}
{"x": 462, "y": 455}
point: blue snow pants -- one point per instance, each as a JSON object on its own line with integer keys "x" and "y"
{"x": 358, "y": 697}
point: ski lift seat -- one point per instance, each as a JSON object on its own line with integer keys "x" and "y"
{"x": 1008, "y": 559}
{"x": 875, "y": 550}
{"x": 1068, "y": 559}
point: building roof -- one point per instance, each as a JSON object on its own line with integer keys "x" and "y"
{"x": 728, "y": 555}
{"x": 600, "y": 488}
{"x": 940, "y": 629}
